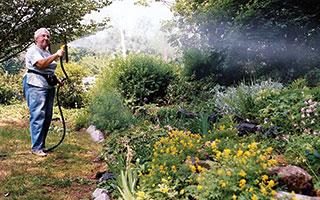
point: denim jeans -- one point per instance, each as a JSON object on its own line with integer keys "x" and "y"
{"x": 40, "y": 103}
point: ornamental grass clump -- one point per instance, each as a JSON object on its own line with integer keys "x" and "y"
{"x": 177, "y": 170}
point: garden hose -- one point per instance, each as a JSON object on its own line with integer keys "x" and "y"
{"x": 59, "y": 106}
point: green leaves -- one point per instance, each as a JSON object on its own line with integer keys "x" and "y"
{"x": 20, "y": 19}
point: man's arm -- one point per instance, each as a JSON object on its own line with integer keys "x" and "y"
{"x": 45, "y": 62}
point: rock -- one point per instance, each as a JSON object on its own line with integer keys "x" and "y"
{"x": 100, "y": 194}
{"x": 107, "y": 176}
{"x": 246, "y": 128}
{"x": 95, "y": 134}
{"x": 295, "y": 178}
{"x": 286, "y": 195}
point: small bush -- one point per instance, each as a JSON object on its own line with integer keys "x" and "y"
{"x": 287, "y": 111}
{"x": 108, "y": 112}
{"x": 239, "y": 100}
{"x": 10, "y": 88}
{"x": 73, "y": 93}
{"x": 142, "y": 78}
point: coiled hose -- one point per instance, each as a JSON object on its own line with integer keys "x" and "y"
{"x": 59, "y": 106}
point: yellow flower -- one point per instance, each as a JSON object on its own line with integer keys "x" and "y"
{"x": 242, "y": 173}
{"x": 269, "y": 150}
{"x": 182, "y": 191}
{"x": 254, "y": 197}
{"x": 262, "y": 158}
{"x": 220, "y": 172}
{"x": 199, "y": 187}
{"x": 164, "y": 190}
{"x": 271, "y": 183}
{"x": 234, "y": 197}
{"x": 242, "y": 183}
{"x": 229, "y": 173}
{"x": 251, "y": 190}
{"x": 140, "y": 174}
{"x": 153, "y": 185}
{"x": 239, "y": 153}
{"x": 140, "y": 194}
{"x": 227, "y": 152}
{"x": 264, "y": 177}
{"x": 263, "y": 190}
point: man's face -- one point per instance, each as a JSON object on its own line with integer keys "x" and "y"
{"x": 43, "y": 39}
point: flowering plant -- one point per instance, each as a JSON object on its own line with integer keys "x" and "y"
{"x": 180, "y": 169}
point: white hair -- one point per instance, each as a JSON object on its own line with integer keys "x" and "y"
{"x": 39, "y": 31}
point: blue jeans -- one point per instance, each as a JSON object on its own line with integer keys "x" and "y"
{"x": 40, "y": 103}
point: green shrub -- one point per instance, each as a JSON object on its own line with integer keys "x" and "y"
{"x": 10, "y": 88}
{"x": 82, "y": 119}
{"x": 142, "y": 78}
{"x": 202, "y": 63}
{"x": 74, "y": 93}
{"x": 240, "y": 101}
{"x": 108, "y": 112}
{"x": 285, "y": 111}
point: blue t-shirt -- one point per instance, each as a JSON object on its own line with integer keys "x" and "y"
{"x": 34, "y": 54}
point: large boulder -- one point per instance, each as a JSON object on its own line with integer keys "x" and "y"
{"x": 295, "y": 178}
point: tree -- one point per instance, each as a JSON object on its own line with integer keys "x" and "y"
{"x": 280, "y": 35}
{"x": 20, "y": 18}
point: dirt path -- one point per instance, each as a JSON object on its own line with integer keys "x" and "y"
{"x": 66, "y": 173}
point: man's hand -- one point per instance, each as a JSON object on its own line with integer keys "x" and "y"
{"x": 61, "y": 83}
{"x": 60, "y": 53}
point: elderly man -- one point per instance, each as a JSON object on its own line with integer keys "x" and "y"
{"x": 39, "y": 88}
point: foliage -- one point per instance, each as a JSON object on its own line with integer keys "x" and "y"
{"x": 125, "y": 178}
{"x": 142, "y": 78}
{"x": 283, "y": 111}
{"x": 313, "y": 78}
{"x": 108, "y": 111}
{"x": 302, "y": 150}
{"x": 175, "y": 171}
{"x": 20, "y": 19}
{"x": 258, "y": 37}
{"x": 13, "y": 66}
{"x": 74, "y": 93}
{"x": 82, "y": 119}
{"x": 10, "y": 88}
{"x": 94, "y": 63}
{"x": 202, "y": 64}
{"x": 240, "y": 100}
{"x": 187, "y": 91}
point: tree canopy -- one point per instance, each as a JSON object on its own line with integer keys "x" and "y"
{"x": 21, "y": 18}
{"x": 279, "y": 34}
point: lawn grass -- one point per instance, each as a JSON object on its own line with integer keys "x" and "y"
{"x": 66, "y": 173}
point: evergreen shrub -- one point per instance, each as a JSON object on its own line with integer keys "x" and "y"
{"x": 142, "y": 78}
